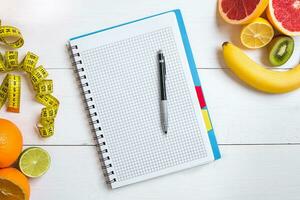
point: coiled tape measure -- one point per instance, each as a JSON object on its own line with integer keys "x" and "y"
{"x": 11, "y": 36}
{"x": 10, "y": 89}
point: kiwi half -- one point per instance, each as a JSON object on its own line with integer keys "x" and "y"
{"x": 281, "y": 49}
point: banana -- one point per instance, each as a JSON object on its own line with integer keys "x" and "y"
{"x": 258, "y": 76}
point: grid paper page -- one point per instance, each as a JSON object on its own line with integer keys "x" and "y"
{"x": 124, "y": 79}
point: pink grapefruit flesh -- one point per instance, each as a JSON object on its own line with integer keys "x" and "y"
{"x": 241, "y": 11}
{"x": 285, "y": 16}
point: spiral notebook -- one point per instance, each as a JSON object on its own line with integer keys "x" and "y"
{"x": 118, "y": 71}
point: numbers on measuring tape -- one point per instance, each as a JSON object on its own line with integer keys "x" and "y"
{"x": 3, "y": 91}
{"x": 45, "y": 87}
{"x": 10, "y": 88}
{"x": 37, "y": 75}
{"x": 47, "y": 100}
{"x": 11, "y": 36}
{"x": 11, "y": 59}
{"x": 49, "y": 112}
{"x": 46, "y": 131}
{"x": 14, "y": 93}
{"x": 29, "y": 62}
{"x": 2, "y": 65}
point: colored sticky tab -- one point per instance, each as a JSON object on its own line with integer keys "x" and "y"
{"x": 206, "y": 119}
{"x": 200, "y": 96}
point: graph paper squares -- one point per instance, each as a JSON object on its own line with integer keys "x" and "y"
{"x": 124, "y": 80}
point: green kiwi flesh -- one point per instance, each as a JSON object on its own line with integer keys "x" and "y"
{"x": 281, "y": 49}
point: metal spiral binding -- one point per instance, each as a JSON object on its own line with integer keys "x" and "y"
{"x": 86, "y": 92}
{"x": 111, "y": 181}
{"x": 93, "y": 115}
{"x": 108, "y": 174}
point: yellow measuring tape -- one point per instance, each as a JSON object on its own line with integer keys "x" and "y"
{"x": 45, "y": 87}
{"x": 10, "y": 89}
{"x": 11, "y": 36}
{"x": 14, "y": 93}
{"x": 29, "y": 62}
{"x": 3, "y": 91}
{"x": 11, "y": 58}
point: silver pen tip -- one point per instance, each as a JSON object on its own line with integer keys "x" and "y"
{"x": 160, "y": 52}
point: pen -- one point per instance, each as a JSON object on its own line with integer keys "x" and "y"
{"x": 163, "y": 91}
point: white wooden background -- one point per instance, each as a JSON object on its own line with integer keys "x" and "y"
{"x": 259, "y": 134}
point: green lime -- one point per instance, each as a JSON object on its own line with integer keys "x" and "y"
{"x": 34, "y": 162}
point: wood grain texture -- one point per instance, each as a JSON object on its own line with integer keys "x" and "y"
{"x": 57, "y": 21}
{"x": 245, "y": 172}
{"x": 239, "y": 114}
{"x": 242, "y": 115}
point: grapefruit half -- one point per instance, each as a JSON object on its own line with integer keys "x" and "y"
{"x": 241, "y": 11}
{"x": 285, "y": 16}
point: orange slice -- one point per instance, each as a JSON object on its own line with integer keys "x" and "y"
{"x": 13, "y": 185}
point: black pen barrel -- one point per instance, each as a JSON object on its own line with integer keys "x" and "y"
{"x": 162, "y": 68}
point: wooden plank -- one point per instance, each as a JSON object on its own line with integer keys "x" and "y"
{"x": 244, "y": 172}
{"x": 239, "y": 114}
{"x": 53, "y": 25}
{"x": 208, "y": 32}
{"x": 71, "y": 126}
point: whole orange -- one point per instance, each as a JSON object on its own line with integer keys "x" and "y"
{"x": 11, "y": 142}
{"x": 14, "y": 185}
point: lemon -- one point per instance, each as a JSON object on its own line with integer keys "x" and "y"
{"x": 257, "y": 34}
{"x": 34, "y": 162}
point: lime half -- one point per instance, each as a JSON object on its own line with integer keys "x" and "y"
{"x": 34, "y": 162}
